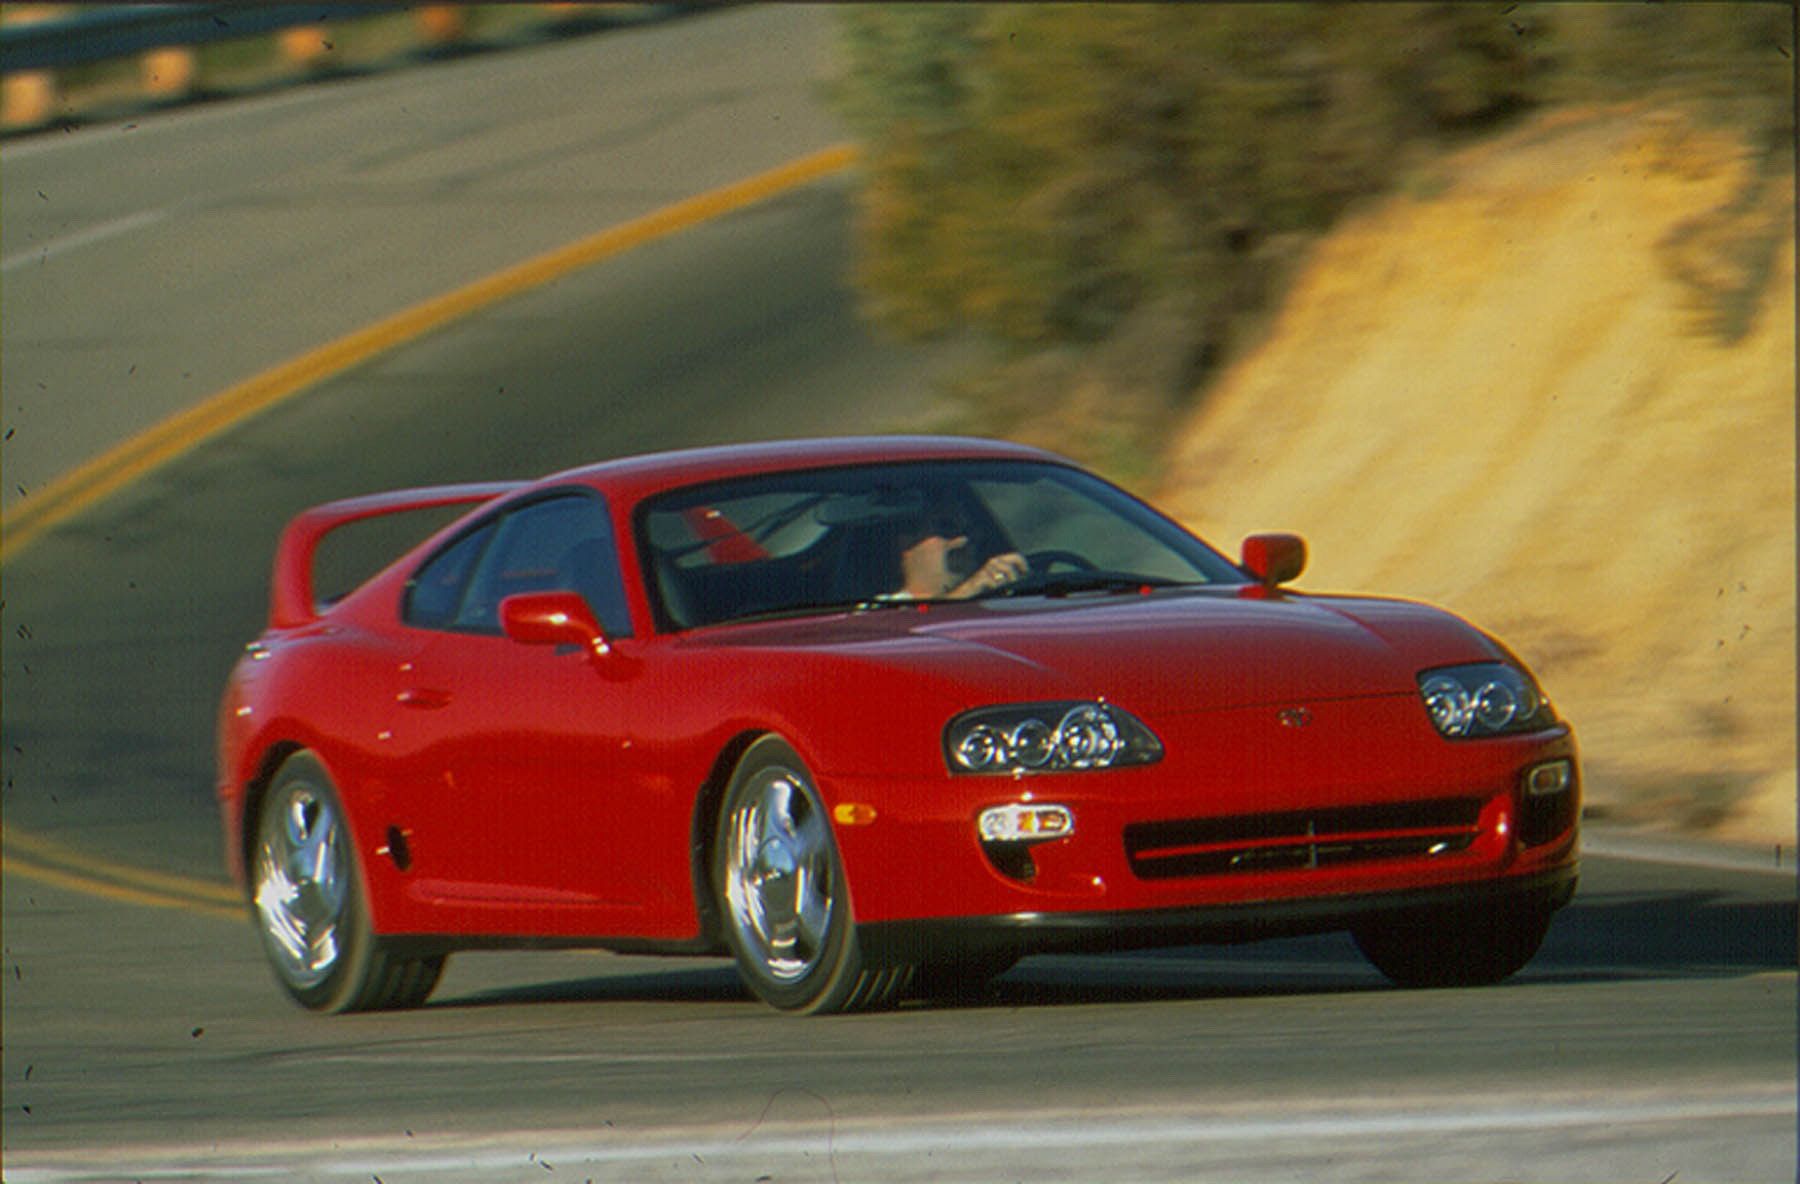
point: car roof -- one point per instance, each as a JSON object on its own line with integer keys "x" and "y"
{"x": 636, "y": 477}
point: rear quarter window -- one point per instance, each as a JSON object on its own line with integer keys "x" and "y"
{"x": 435, "y": 593}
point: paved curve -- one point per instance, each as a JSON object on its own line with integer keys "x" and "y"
{"x": 1654, "y": 1036}
{"x": 150, "y": 263}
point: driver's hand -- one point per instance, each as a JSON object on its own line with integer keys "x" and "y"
{"x": 997, "y": 572}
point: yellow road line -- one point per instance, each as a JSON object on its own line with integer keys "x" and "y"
{"x": 113, "y": 470}
{"x": 69, "y": 858}
{"x": 16, "y": 865}
{"x": 83, "y": 487}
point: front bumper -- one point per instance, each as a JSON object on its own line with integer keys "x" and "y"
{"x": 1041, "y": 933}
{"x": 1409, "y": 819}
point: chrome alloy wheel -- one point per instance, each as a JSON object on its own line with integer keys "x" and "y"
{"x": 779, "y": 874}
{"x": 302, "y": 883}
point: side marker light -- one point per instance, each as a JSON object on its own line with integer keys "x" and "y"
{"x": 853, "y": 813}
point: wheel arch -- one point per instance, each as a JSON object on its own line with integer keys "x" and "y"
{"x": 273, "y": 757}
{"x": 366, "y": 971}
{"x": 276, "y": 754}
{"x": 822, "y": 971}
{"x": 703, "y": 830}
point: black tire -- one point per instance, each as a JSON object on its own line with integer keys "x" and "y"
{"x": 783, "y": 900}
{"x": 1454, "y": 947}
{"x": 308, "y": 902}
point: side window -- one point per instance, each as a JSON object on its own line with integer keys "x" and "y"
{"x": 562, "y": 543}
{"x": 435, "y": 592}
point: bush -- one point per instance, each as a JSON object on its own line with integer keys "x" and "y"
{"x": 1039, "y": 172}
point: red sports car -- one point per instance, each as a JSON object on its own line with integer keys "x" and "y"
{"x": 870, "y": 715}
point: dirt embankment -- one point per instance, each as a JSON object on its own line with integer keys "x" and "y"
{"x": 1552, "y": 388}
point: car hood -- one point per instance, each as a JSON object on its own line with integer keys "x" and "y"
{"x": 1191, "y": 649}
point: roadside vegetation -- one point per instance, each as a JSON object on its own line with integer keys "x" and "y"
{"x": 1117, "y": 195}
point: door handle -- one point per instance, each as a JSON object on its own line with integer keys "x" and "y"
{"x": 423, "y": 698}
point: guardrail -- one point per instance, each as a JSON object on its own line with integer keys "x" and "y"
{"x": 39, "y": 40}
{"x": 102, "y": 32}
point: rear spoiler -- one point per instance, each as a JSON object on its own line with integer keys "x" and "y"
{"x": 291, "y": 591}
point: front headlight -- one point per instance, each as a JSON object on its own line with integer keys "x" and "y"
{"x": 1047, "y": 737}
{"x": 1483, "y": 699}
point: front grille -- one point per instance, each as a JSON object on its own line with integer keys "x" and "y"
{"x": 1299, "y": 839}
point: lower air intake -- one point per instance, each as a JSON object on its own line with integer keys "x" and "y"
{"x": 1301, "y": 839}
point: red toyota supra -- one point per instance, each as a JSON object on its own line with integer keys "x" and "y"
{"x": 871, "y": 716}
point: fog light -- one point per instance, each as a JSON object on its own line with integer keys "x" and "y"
{"x": 1548, "y": 808}
{"x": 1004, "y": 824}
{"x": 1546, "y": 779}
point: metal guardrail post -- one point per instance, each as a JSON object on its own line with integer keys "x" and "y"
{"x": 304, "y": 45}
{"x": 443, "y": 24}
{"x": 169, "y": 72}
{"x": 29, "y": 96}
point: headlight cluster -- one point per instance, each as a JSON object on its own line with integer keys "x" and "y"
{"x": 1484, "y": 699}
{"x": 1046, "y": 737}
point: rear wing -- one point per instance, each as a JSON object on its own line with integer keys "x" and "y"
{"x": 291, "y": 591}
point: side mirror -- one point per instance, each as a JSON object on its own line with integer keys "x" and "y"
{"x": 553, "y": 618}
{"x": 1274, "y": 559}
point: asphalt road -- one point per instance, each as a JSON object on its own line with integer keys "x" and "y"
{"x": 1654, "y": 1038}
{"x": 151, "y": 262}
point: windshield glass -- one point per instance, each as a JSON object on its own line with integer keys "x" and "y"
{"x": 872, "y": 535}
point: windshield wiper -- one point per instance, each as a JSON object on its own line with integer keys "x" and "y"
{"x": 1049, "y": 586}
{"x": 821, "y": 608}
{"x": 1082, "y": 581}
{"x": 880, "y": 602}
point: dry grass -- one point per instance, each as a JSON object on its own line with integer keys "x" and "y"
{"x": 1557, "y": 396}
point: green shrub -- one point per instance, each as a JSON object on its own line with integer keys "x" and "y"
{"x": 1039, "y": 172}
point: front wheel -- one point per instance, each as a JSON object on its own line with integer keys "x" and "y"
{"x": 309, "y": 907}
{"x": 782, "y": 892}
{"x": 1454, "y": 947}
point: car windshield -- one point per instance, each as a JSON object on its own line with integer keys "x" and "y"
{"x": 870, "y": 536}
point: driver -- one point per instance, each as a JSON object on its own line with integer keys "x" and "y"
{"x": 926, "y": 574}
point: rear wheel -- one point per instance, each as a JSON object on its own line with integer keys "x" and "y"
{"x": 783, "y": 896}
{"x": 309, "y": 906}
{"x": 1454, "y": 947}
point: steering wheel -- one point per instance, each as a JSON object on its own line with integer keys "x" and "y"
{"x": 1041, "y": 561}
